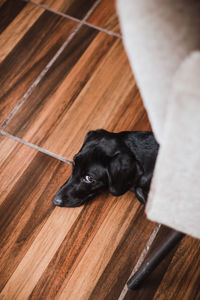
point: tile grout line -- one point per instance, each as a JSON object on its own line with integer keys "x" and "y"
{"x": 44, "y": 71}
{"x": 53, "y": 11}
{"x": 39, "y": 78}
{"x": 51, "y": 62}
{"x": 90, "y": 11}
{"x": 103, "y": 30}
{"x": 40, "y": 149}
{"x": 94, "y": 26}
{"x": 76, "y": 19}
{"x": 141, "y": 259}
{"x": 36, "y": 82}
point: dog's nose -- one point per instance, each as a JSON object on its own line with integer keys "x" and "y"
{"x": 57, "y": 200}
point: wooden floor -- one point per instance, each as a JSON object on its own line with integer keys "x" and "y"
{"x": 63, "y": 71}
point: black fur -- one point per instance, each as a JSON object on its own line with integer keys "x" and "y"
{"x": 115, "y": 161}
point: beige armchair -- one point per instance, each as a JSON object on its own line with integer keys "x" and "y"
{"x": 162, "y": 40}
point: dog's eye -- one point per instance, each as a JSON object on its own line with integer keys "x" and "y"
{"x": 88, "y": 179}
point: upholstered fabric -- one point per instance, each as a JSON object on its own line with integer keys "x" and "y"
{"x": 160, "y": 38}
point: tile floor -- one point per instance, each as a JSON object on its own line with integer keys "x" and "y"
{"x": 63, "y": 71}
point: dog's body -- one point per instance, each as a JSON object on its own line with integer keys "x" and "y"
{"x": 115, "y": 161}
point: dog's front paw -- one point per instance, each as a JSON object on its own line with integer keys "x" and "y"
{"x": 141, "y": 195}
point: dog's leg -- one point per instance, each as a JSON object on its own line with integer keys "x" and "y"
{"x": 141, "y": 195}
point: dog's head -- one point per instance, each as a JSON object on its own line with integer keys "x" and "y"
{"x": 104, "y": 162}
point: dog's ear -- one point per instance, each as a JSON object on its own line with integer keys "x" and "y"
{"x": 89, "y": 134}
{"x": 123, "y": 173}
{"x": 95, "y": 134}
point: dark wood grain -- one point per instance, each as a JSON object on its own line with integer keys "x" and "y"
{"x": 77, "y": 9}
{"x": 93, "y": 247}
{"x": 9, "y": 9}
{"x": 72, "y": 249}
{"x": 177, "y": 276}
{"x": 105, "y": 16}
{"x": 2, "y": 3}
{"x": 72, "y": 98}
{"x": 182, "y": 279}
{"x": 124, "y": 258}
{"x": 54, "y": 242}
{"x": 78, "y": 240}
{"x": 22, "y": 62}
{"x": 28, "y": 182}
{"x": 102, "y": 249}
{"x": 86, "y": 252}
{"x": 27, "y": 186}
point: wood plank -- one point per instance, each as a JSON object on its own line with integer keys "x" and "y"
{"x": 177, "y": 276}
{"x": 90, "y": 86}
{"x": 151, "y": 284}
{"x": 112, "y": 232}
{"x": 26, "y": 48}
{"x": 182, "y": 279}
{"x": 28, "y": 182}
{"x": 2, "y": 2}
{"x": 115, "y": 275}
{"x": 90, "y": 251}
{"x": 9, "y": 9}
{"x": 103, "y": 247}
{"x": 73, "y": 247}
{"x": 77, "y": 9}
{"x": 55, "y": 243}
{"x": 39, "y": 254}
{"x": 77, "y": 242}
{"x": 105, "y": 16}
{"x": 22, "y": 17}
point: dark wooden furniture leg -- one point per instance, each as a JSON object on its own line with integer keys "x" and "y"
{"x": 154, "y": 259}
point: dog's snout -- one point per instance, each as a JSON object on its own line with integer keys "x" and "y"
{"x": 57, "y": 200}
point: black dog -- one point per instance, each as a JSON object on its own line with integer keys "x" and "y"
{"x": 115, "y": 161}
